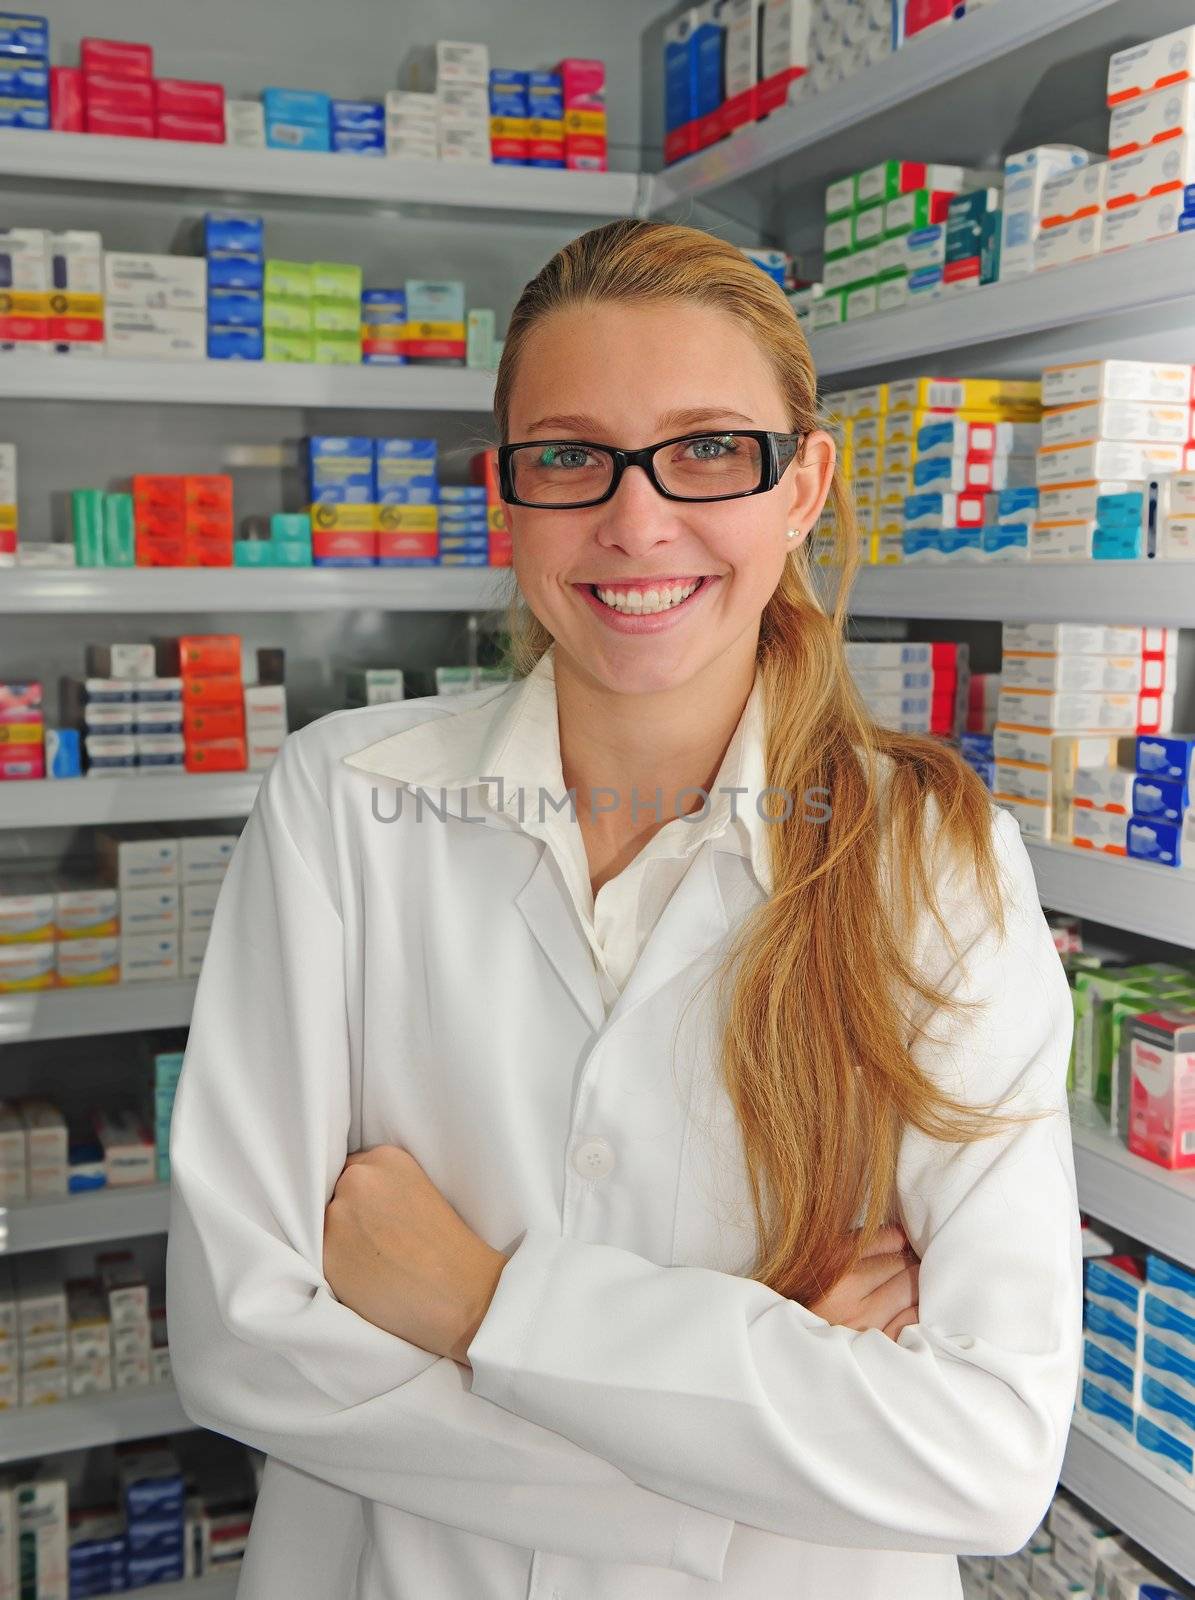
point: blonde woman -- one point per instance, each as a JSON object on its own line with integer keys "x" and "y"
{"x": 622, "y": 1151}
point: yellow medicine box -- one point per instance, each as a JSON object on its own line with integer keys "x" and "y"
{"x": 8, "y": 517}
{"x": 585, "y": 122}
{"x": 408, "y": 519}
{"x": 542, "y": 128}
{"x": 434, "y": 330}
{"x": 344, "y": 519}
{"x": 508, "y": 127}
{"x": 965, "y": 394}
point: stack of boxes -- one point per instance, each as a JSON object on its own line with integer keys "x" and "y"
{"x": 1139, "y": 1349}
{"x": 51, "y": 299}
{"x": 234, "y": 249}
{"x": 1108, "y": 428}
{"x": 408, "y": 495}
{"x": 129, "y": 718}
{"x": 103, "y": 529}
{"x": 8, "y": 505}
{"x": 1174, "y": 512}
{"x": 285, "y": 541}
{"x": 973, "y": 230}
{"x": 510, "y": 109}
{"x": 845, "y": 39}
{"x": 1027, "y": 173}
{"x": 209, "y": 666}
{"x": 913, "y": 688}
{"x": 545, "y": 124}
{"x": 464, "y": 526}
{"x": 1069, "y": 692}
{"x": 412, "y": 125}
{"x": 265, "y": 711}
{"x": 1151, "y": 141}
{"x": 1071, "y": 219}
{"x": 484, "y": 469}
{"x": 297, "y": 119}
{"x": 1106, "y": 999}
{"x": 434, "y": 333}
{"x": 886, "y": 238}
{"x": 24, "y": 72}
{"x": 358, "y": 127}
{"x": 183, "y": 520}
{"x": 155, "y": 307}
{"x": 153, "y": 1500}
{"x": 383, "y": 327}
{"x": 113, "y": 91}
{"x": 1161, "y": 824}
{"x": 312, "y": 311}
{"x": 462, "y": 101}
{"x": 1159, "y": 1118}
{"x": 22, "y": 731}
{"x": 342, "y": 496}
{"x": 583, "y": 85}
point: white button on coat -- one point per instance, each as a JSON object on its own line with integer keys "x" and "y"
{"x": 594, "y": 1158}
{"x": 642, "y": 1420}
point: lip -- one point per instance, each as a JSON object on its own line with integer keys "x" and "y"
{"x": 656, "y": 622}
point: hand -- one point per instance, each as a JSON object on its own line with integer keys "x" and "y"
{"x": 880, "y": 1292}
{"x": 397, "y": 1254}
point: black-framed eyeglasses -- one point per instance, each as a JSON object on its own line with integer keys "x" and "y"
{"x": 567, "y": 474}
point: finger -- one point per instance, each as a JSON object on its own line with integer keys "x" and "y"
{"x": 873, "y": 1272}
{"x": 905, "y": 1319}
{"x": 889, "y": 1241}
{"x": 896, "y": 1295}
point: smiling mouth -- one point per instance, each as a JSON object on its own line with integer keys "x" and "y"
{"x": 646, "y": 599}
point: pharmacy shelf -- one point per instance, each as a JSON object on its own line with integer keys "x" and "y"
{"x": 289, "y": 384}
{"x": 1012, "y": 75}
{"x": 92, "y": 1217}
{"x": 1138, "y": 896}
{"x": 1140, "y": 593}
{"x": 250, "y": 589}
{"x": 140, "y": 1413}
{"x": 107, "y": 1008}
{"x": 517, "y": 193}
{"x": 1123, "y": 1484}
{"x": 86, "y": 802}
{"x": 1149, "y": 278}
{"x": 1139, "y": 1198}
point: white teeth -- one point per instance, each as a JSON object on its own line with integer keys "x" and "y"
{"x": 643, "y": 602}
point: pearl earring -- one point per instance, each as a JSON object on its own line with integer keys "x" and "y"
{"x": 794, "y": 533}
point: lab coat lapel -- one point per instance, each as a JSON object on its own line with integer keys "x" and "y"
{"x": 547, "y": 908}
{"x": 692, "y": 922}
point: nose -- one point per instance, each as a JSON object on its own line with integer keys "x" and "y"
{"x": 637, "y": 518}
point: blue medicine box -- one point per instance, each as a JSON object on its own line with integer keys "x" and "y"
{"x": 1165, "y": 802}
{"x": 360, "y": 115}
{"x": 465, "y": 558}
{"x": 1167, "y": 757}
{"x": 459, "y": 524}
{"x": 419, "y": 491}
{"x": 24, "y": 77}
{"x": 340, "y": 469}
{"x": 24, "y": 36}
{"x": 545, "y": 95}
{"x": 235, "y": 269}
{"x": 24, "y": 113}
{"x": 235, "y": 308}
{"x": 680, "y": 84}
{"x": 465, "y": 494}
{"x": 537, "y": 162}
{"x": 358, "y": 142}
{"x": 239, "y": 233}
{"x": 1151, "y": 840}
{"x": 235, "y": 344}
{"x": 383, "y": 305}
{"x": 406, "y": 450}
{"x": 708, "y": 44}
{"x": 297, "y": 105}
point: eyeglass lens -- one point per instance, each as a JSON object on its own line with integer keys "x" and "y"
{"x": 696, "y": 468}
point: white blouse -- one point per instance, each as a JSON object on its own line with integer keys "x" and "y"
{"x": 640, "y": 1419}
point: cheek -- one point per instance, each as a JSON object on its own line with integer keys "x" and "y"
{"x": 750, "y": 544}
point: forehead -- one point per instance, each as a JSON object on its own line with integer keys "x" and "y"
{"x": 628, "y": 365}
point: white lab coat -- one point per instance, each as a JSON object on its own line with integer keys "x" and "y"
{"x": 642, "y": 1421}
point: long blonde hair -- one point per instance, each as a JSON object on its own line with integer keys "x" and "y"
{"x": 817, "y": 1049}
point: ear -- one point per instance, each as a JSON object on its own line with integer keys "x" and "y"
{"x": 811, "y": 474}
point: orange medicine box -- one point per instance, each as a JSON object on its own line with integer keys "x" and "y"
{"x": 204, "y": 653}
{"x": 213, "y": 689}
{"x": 215, "y": 755}
{"x": 210, "y": 493}
{"x": 202, "y": 724}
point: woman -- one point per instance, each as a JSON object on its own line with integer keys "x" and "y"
{"x": 608, "y": 1300}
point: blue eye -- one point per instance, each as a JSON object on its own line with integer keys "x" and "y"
{"x": 565, "y": 456}
{"x": 711, "y": 448}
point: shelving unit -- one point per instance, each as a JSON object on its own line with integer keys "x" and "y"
{"x": 140, "y": 1413}
{"x": 99, "y": 590}
{"x": 284, "y": 384}
{"x": 86, "y": 802}
{"x": 517, "y": 194}
{"x": 1141, "y": 1199}
{"x": 1144, "y": 593}
{"x": 94, "y": 1217}
{"x": 1138, "y": 896}
{"x": 1122, "y": 1483}
{"x": 107, "y": 1008}
{"x": 220, "y": 1586}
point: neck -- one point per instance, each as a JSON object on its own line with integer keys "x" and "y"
{"x": 630, "y": 745}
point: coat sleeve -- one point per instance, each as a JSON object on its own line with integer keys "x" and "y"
{"x": 261, "y": 1349}
{"x": 719, "y": 1391}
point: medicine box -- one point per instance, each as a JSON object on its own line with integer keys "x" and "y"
{"x": 1157, "y": 64}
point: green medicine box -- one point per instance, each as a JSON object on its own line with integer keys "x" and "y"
{"x": 120, "y": 539}
{"x": 840, "y": 198}
{"x": 337, "y": 280}
{"x": 291, "y": 552}
{"x": 253, "y": 553}
{"x": 294, "y": 525}
{"x": 87, "y": 526}
{"x": 282, "y": 346}
{"x": 280, "y": 315}
{"x": 291, "y": 279}
{"x": 341, "y": 349}
{"x": 867, "y": 226}
{"x": 335, "y": 316}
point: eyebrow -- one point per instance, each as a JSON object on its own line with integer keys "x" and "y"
{"x": 579, "y": 425}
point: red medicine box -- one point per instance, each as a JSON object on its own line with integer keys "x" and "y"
{"x": 117, "y": 57}
{"x": 66, "y": 99}
{"x": 215, "y": 755}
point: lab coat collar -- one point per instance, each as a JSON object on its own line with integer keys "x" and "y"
{"x": 515, "y": 735}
